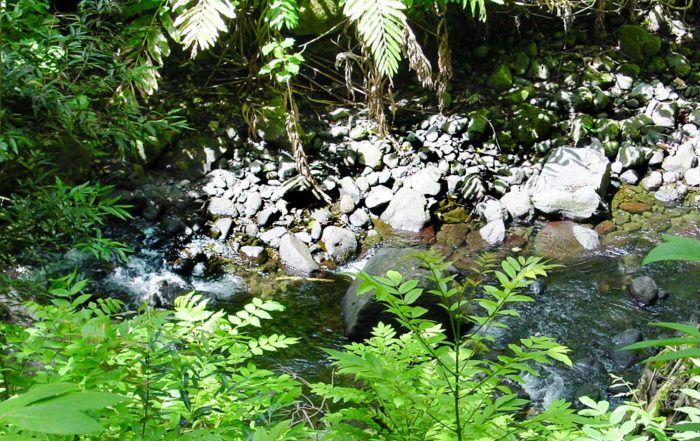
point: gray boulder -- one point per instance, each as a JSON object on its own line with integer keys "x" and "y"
{"x": 407, "y": 210}
{"x": 361, "y": 312}
{"x": 340, "y": 243}
{"x": 295, "y": 255}
{"x": 644, "y": 290}
{"x": 571, "y": 183}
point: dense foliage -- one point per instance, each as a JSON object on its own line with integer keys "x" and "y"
{"x": 189, "y": 373}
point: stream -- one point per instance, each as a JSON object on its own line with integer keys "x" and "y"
{"x": 583, "y": 306}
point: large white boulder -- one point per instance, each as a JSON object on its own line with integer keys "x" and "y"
{"x": 407, "y": 210}
{"x": 571, "y": 183}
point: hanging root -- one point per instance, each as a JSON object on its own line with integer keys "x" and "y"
{"x": 417, "y": 61}
{"x": 300, "y": 160}
{"x": 444, "y": 60}
{"x": 375, "y": 84}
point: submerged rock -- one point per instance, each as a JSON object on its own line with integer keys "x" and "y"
{"x": 565, "y": 240}
{"x": 571, "y": 183}
{"x": 644, "y": 290}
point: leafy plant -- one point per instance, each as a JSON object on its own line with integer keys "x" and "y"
{"x": 56, "y": 216}
{"x": 55, "y": 408}
{"x": 185, "y": 373}
{"x": 674, "y": 248}
{"x": 423, "y": 385}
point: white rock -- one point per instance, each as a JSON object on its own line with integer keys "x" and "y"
{"x": 571, "y": 182}
{"x": 359, "y": 218}
{"x": 346, "y": 204}
{"x": 223, "y": 224}
{"x": 491, "y": 210}
{"x": 587, "y": 237}
{"x": 494, "y": 232}
{"x": 295, "y": 255}
{"x": 653, "y": 181}
{"x": 369, "y": 154}
{"x": 340, "y": 243}
{"x": 407, "y": 210}
{"x": 378, "y": 196}
{"x": 518, "y": 204}
{"x": 682, "y": 160}
{"x": 692, "y": 177}
{"x": 222, "y": 207}
{"x": 629, "y": 177}
{"x": 253, "y": 203}
{"x": 426, "y": 181}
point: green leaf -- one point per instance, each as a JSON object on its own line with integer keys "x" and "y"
{"x": 675, "y": 248}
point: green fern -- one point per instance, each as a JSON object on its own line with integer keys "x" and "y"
{"x": 199, "y": 25}
{"x": 382, "y": 26}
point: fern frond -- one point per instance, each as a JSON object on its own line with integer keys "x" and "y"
{"x": 199, "y": 25}
{"x": 381, "y": 25}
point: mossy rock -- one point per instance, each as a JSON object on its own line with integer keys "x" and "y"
{"x": 317, "y": 17}
{"x": 521, "y": 62}
{"x": 530, "y": 123}
{"x": 520, "y": 95}
{"x": 501, "y": 79}
{"x": 678, "y": 64}
{"x": 637, "y": 43}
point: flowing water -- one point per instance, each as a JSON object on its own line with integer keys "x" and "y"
{"x": 582, "y": 305}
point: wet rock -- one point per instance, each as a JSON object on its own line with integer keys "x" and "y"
{"x": 407, "y": 211}
{"x": 564, "y": 240}
{"x": 295, "y": 255}
{"x": 624, "y": 358}
{"x": 340, "y": 243}
{"x": 571, "y": 183}
{"x": 605, "y": 227}
{"x": 587, "y": 237}
{"x": 635, "y": 207}
{"x": 644, "y": 290}
{"x": 452, "y": 235}
{"x": 152, "y": 209}
{"x": 494, "y": 232}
